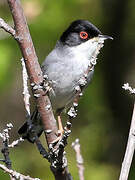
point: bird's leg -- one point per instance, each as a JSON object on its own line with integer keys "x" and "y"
{"x": 60, "y": 126}
{"x": 60, "y": 130}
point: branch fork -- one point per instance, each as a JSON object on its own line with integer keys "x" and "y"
{"x": 5, "y": 151}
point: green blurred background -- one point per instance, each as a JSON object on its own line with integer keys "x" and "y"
{"x": 105, "y": 110}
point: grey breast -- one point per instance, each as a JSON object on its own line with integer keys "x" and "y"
{"x": 63, "y": 72}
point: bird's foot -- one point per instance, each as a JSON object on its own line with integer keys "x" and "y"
{"x": 59, "y": 136}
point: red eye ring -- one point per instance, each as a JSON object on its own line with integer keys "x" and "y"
{"x": 83, "y": 35}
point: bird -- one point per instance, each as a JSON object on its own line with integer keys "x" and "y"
{"x": 64, "y": 66}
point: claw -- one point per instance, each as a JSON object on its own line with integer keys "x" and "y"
{"x": 60, "y": 131}
{"x": 60, "y": 134}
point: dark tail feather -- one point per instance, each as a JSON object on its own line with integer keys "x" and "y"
{"x": 25, "y": 130}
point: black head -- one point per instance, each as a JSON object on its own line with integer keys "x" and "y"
{"x": 78, "y": 32}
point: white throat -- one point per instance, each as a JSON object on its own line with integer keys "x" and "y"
{"x": 88, "y": 49}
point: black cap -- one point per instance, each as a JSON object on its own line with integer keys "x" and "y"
{"x": 72, "y": 36}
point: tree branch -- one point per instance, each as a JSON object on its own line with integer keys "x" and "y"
{"x": 79, "y": 158}
{"x": 6, "y": 27}
{"x": 16, "y": 142}
{"x": 26, "y": 94}
{"x": 5, "y": 150}
{"x": 129, "y": 150}
{"x": 16, "y": 175}
{"x": 5, "y": 141}
{"x": 127, "y": 87}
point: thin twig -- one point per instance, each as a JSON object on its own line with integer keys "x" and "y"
{"x": 6, "y": 27}
{"x": 129, "y": 150}
{"x": 5, "y": 150}
{"x": 79, "y": 158}
{"x": 26, "y": 94}
{"x": 72, "y": 113}
{"x": 41, "y": 149}
{"x": 16, "y": 142}
{"x": 15, "y": 174}
{"x": 127, "y": 87}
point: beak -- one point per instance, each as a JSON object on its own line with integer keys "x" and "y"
{"x": 104, "y": 37}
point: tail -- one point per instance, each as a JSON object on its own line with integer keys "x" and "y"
{"x": 25, "y": 130}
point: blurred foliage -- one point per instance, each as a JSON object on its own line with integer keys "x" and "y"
{"x": 105, "y": 110}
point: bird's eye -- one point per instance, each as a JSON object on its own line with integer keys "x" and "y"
{"x": 83, "y": 35}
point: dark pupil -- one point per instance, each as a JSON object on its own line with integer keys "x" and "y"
{"x": 84, "y": 34}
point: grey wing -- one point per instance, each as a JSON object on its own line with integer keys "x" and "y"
{"x": 61, "y": 78}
